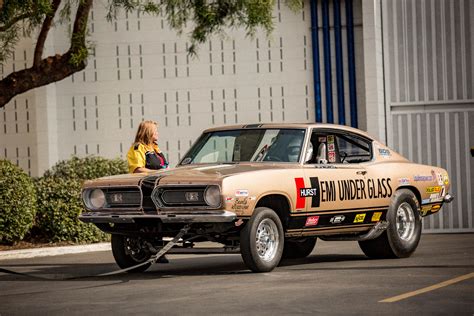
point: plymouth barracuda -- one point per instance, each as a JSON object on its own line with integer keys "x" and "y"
{"x": 269, "y": 191}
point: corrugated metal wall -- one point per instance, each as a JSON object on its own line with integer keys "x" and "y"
{"x": 429, "y": 69}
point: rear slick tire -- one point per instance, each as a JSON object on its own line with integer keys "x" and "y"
{"x": 403, "y": 234}
{"x": 261, "y": 240}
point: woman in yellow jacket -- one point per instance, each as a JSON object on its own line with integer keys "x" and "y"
{"x": 144, "y": 155}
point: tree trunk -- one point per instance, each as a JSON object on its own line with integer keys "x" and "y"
{"x": 53, "y": 68}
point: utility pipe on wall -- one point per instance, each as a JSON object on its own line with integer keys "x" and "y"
{"x": 316, "y": 66}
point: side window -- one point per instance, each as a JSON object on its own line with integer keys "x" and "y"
{"x": 324, "y": 147}
{"x": 352, "y": 149}
{"x": 333, "y": 147}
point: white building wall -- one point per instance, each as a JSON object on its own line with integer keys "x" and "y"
{"x": 140, "y": 69}
{"x": 18, "y": 126}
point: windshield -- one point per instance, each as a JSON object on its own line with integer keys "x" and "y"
{"x": 277, "y": 145}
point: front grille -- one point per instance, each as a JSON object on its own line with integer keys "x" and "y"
{"x": 182, "y": 196}
{"x": 123, "y": 197}
{"x": 147, "y": 186}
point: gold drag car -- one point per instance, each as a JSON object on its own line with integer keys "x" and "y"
{"x": 269, "y": 191}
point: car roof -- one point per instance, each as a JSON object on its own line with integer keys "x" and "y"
{"x": 290, "y": 125}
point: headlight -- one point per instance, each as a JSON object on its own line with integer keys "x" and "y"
{"x": 96, "y": 199}
{"x": 212, "y": 196}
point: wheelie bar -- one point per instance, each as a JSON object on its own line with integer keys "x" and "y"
{"x": 152, "y": 260}
{"x": 158, "y": 255}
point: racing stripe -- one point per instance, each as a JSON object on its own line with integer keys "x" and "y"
{"x": 315, "y": 200}
{"x": 300, "y": 201}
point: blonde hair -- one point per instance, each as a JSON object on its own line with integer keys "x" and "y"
{"x": 145, "y": 132}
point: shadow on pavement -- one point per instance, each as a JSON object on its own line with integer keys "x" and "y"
{"x": 212, "y": 265}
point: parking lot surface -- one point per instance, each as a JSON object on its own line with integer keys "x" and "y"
{"x": 335, "y": 279}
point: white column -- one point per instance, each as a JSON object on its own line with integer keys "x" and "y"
{"x": 46, "y": 119}
{"x": 373, "y": 69}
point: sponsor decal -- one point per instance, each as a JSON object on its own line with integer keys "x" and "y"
{"x": 337, "y": 219}
{"x": 312, "y": 221}
{"x": 403, "y": 181}
{"x": 433, "y": 189}
{"x": 240, "y": 204}
{"x": 330, "y": 139}
{"x": 322, "y": 139}
{"x": 252, "y": 198}
{"x": 438, "y": 194}
{"x": 376, "y": 216}
{"x": 341, "y": 190}
{"x": 332, "y": 156}
{"x": 425, "y": 201}
{"x": 331, "y": 147}
{"x": 359, "y": 218}
{"x": 422, "y": 178}
{"x": 229, "y": 199}
{"x": 434, "y": 196}
{"x": 384, "y": 152}
{"x": 440, "y": 178}
{"x": 242, "y": 193}
{"x": 446, "y": 179}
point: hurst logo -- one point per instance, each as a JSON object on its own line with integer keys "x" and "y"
{"x": 305, "y": 192}
{"x": 302, "y": 192}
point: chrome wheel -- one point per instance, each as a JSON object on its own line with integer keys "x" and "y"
{"x": 267, "y": 239}
{"x": 405, "y": 220}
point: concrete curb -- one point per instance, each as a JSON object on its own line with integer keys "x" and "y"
{"x": 52, "y": 251}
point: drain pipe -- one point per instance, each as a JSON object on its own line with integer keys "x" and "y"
{"x": 351, "y": 62}
{"x": 341, "y": 108}
{"x": 316, "y": 66}
{"x": 327, "y": 62}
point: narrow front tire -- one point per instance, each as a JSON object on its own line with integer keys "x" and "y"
{"x": 261, "y": 240}
{"x": 129, "y": 251}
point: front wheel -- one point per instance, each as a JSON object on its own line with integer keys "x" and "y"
{"x": 129, "y": 251}
{"x": 404, "y": 229}
{"x": 261, "y": 240}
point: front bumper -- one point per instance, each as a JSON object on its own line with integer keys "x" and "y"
{"x": 96, "y": 218}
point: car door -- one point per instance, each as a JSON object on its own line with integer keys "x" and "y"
{"x": 336, "y": 188}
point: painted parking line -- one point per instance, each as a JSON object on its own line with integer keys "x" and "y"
{"x": 427, "y": 289}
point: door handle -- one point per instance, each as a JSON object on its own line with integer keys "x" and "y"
{"x": 362, "y": 172}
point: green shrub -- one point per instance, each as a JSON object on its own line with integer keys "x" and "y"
{"x": 87, "y": 168}
{"x": 59, "y": 198}
{"x": 59, "y": 205}
{"x": 17, "y": 203}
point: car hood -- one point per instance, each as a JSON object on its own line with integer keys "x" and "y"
{"x": 209, "y": 173}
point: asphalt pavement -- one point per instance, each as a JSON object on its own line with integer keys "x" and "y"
{"x": 335, "y": 279}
